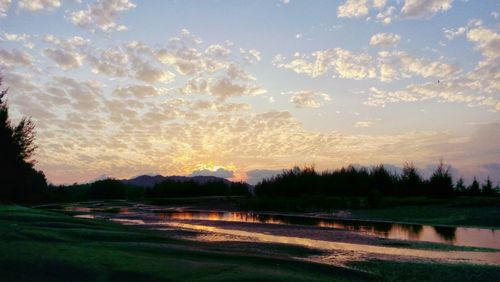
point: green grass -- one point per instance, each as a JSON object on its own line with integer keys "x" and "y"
{"x": 411, "y": 271}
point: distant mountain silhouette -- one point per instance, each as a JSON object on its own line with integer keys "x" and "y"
{"x": 149, "y": 181}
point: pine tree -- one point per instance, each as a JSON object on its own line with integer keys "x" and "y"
{"x": 411, "y": 181}
{"x": 487, "y": 188}
{"x": 19, "y": 181}
{"x": 441, "y": 182}
{"x": 474, "y": 189}
{"x": 460, "y": 186}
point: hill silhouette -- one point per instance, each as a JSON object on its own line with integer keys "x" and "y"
{"x": 149, "y": 181}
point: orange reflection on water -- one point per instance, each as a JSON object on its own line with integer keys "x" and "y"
{"x": 474, "y": 237}
{"x": 452, "y": 256}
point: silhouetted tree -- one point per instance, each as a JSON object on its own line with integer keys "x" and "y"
{"x": 497, "y": 189}
{"x": 172, "y": 188}
{"x": 441, "y": 183}
{"x": 487, "y": 188}
{"x": 107, "y": 189}
{"x": 460, "y": 186}
{"x": 383, "y": 180}
{"x": 474, "y": 189}
{"x": 19, "y": 181}
{"x": 410, "y": 180}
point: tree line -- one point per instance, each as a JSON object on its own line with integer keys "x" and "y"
{"x": 361, "y": 182}
{"x": 108, "y": 189}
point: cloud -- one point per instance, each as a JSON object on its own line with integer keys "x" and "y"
{"x": 134, "y": 127}
{"x": 220, "y": 172}
{"x": 101, "y": 15}
{"x": 399, "y": 64}
{"x": 341, "y": 62}
{"x": 386, "y": 16}
{"x": 257, "y": 175}
{"x": 411, "y": 9}
{"x": 308, "y": 98}
{"x": 4, "y": 7}
{"x": 84, "y": 94}
{"x": 14, "y": 58}
{"x": 184, "y": 54}
{"x": 225, "y": 88}
{"x": 38, "y": 5}
{"x": 15, "y": 37}
{"x": 450, "y": 33}
{"x": 64, "y": 59}
{"x": 474, "y": 88}
{"x": 68, "y": 53}
{"x": 424, "y": 8}
{"x": 358, "y": 8}
{"x": 139, "y": 91}
{"x": 450, "y": 91}
{"x": 487, "y": 41}
{"x": 19, "y": 82}
{"x": 109, "y": 62}
{"x": 363, "y": 123}
{"x": 385, "y": 39}
{"x": 148, "y": 73}
{"x": 250, "y": 56}
{"x": 232, "y": 107}
{"x": 476, "y": 154}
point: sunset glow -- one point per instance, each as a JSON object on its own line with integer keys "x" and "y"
{"x": 244, "y": 89}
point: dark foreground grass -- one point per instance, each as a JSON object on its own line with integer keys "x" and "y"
{"x": 44, "y": 246}
{"x": 405, "y": 271}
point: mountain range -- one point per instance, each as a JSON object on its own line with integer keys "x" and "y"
{"x": 149, "y": 181}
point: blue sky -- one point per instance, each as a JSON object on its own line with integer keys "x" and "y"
{"x": 124, "y": 87}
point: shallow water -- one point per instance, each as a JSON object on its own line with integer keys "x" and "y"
{"x": 450, "y": 256}
{"x": 458, "y": 236}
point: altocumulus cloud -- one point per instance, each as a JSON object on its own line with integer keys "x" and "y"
{"x": 220, "y": 172}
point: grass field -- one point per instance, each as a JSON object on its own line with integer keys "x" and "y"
{"x": 39, "y": 245}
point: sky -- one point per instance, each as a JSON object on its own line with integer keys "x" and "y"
{"x": 244, "y": 89}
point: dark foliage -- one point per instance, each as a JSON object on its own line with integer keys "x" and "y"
{"x": 488, "y": 188}
{"x": 410, "y": 182}
{"x": 115, "y": 189}
{"x": 370, "y": 184}
{"x": 19, "y": 181}
{"x": 474, "y": 189}
{"x": 107, "y": 189}
{"x": 441, "y": 183}
{"x": 460, "y": 187}
{"x": 170, "y": 188}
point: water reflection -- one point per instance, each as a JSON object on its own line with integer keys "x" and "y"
{"x": 439, "y": 234}
{"x": 462, "y": 236}
{"x": 447, "y": 233}
{"x": 455, "y": 256}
